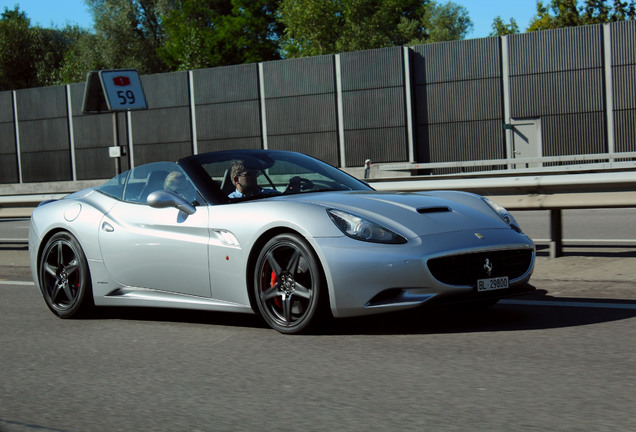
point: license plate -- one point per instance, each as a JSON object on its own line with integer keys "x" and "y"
{"x": 492, "y": 283}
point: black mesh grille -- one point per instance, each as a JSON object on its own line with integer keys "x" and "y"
{"x": 466, "y": 269}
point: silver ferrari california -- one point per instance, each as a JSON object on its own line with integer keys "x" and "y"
{"x": 275, "y": 233}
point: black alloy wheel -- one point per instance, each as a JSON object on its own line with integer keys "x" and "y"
{"x": 288, "y": 284}
{"x": 64, "y": 277}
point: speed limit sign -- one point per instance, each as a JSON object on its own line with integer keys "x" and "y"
{"x": 113, "y": 90}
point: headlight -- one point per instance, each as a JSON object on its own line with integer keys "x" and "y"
{"x": 503, "y": 214}
{"x": 363, "y": 229}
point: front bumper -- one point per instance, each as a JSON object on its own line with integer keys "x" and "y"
{"x": 366, "y": 278}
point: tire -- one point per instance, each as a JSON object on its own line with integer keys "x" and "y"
{"x": 64, "y": 277}
{"x": 288, "y": 284}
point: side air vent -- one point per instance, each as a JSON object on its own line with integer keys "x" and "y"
{"x": 425, "y": 210}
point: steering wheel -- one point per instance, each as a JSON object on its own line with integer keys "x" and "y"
{"x": 297, "y": 184}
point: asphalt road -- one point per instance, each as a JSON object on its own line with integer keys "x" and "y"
{"x": 560, "y": 360}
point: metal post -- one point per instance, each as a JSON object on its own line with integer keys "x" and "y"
{"x": 16, "y": 128}
{"x": 71, "y": 131}
{"x": 556, "y": 233}
{"x": 340, "y": 109}
{"x": 193, "y": 114}
{"x": 116, "y": 143}
{"x": 261, "y": 86}
{"x": 609, "y": 91}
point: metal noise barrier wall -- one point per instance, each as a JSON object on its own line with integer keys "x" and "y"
{"x": 552, "y": 93}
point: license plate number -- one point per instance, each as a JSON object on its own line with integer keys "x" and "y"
{"x": 492, "y": 283}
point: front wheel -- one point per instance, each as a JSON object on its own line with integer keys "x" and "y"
{"x": 64, "y": 277}
{"x": 288, "y": 284}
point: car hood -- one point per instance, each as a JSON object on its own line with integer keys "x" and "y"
{"x": 413, "y": 214}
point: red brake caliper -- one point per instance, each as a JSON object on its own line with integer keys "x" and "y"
{"x": 271, "y": 284}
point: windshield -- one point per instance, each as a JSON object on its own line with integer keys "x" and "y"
{"x": 256, "y": 174}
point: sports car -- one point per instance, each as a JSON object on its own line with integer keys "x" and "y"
{"x": 275, "y": 233}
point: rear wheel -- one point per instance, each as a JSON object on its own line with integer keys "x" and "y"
{"x": 288, "y": 284}
{"x": 64, "y": 277}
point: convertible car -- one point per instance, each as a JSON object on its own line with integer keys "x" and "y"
{"x": 276, "y": 233}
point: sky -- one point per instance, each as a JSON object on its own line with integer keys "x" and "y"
{"x": 58, "y": 13}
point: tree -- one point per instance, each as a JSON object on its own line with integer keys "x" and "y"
{"x": 17, "y": 51}
{"x": 569, "y": 13}
{"x": 220, "y": 32}
{"x": 447, "y": 22}
{"x": 500, "y": 28}
{"x": 129, "y": 33}
{"x": 315, "y": 27}
{"x": 82, "y": 56}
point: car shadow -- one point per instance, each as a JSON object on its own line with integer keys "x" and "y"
{"x": 521, "y": 314}
{"x": 228, "y": 319}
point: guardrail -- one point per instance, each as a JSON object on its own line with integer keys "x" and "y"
{"x": 556, "y": 192}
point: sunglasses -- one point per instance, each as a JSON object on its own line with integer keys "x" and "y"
{"x": 249, "y": 174}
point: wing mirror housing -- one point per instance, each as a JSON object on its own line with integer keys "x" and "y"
{"x": 165, "y": 199}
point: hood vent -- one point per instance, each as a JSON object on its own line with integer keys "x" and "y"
{"x": 425, "y": 210}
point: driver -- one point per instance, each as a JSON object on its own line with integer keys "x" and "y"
{"x": 245, "y": 181}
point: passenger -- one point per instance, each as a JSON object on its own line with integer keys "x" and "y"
{"x": 246, "y": 181}
{"x": 177, "y": 182}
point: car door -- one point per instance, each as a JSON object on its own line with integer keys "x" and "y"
{"x": 157, "y": 248}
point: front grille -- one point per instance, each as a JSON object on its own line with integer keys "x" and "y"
{"x": 465, "y": 269}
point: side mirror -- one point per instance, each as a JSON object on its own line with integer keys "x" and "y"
{"x": 164, "y": 199}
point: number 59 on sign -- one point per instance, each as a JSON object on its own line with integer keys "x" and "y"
{"x": 123, "y": 90}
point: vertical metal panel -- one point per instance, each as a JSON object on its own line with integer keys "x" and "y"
{"x": 41, "y": 103}
{"x": 228, "y": 120}
{"x": 379, "y": 145}
{"x": 147, "y": 153}
{"x": 226, "y": 84}
{"x": 301, "y": 107}
{"x": 160, "y": 126}
{"x": 460, "y": 101}
{"x": 6, "y": 107}
{"x": 321, "y": 145}
{"x": 297, "y": 77}
{"x": 301, "y": 114}
{"x": 556, "y": 50}
{"x": 44, "y": 135}
{"x": 9, "y": 172}
{"x": 372, "y": 69}
{"x": 625, "y": 126}
{"x": 624, "y": 87}
{"x": 7, "y": 143}
{"x": 44, "y": 166}
{"x": 573, "y": 134}
{"x": 457, "y": 61}
{"x": 379, "y": 108}
{"x": 464, "y": 141}
{"x": 8, "y": 157}
{"x": 93, "y": 163}
{"x": 623, "y": 35}
{"x": 229, "y": 144}
{"x": 166, "y": 90}
{"x": 557, "y": 93}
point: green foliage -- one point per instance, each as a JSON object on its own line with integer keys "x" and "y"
{"x": 316, "y": 27}
{"x": 500, "y": 28}
{"x": 17, "y": 51}
{"x": 129, "y": 33}
{"x": 211, "y": 33}
{"x": 30, "y": 56}
{"x": 571, "y": 13}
